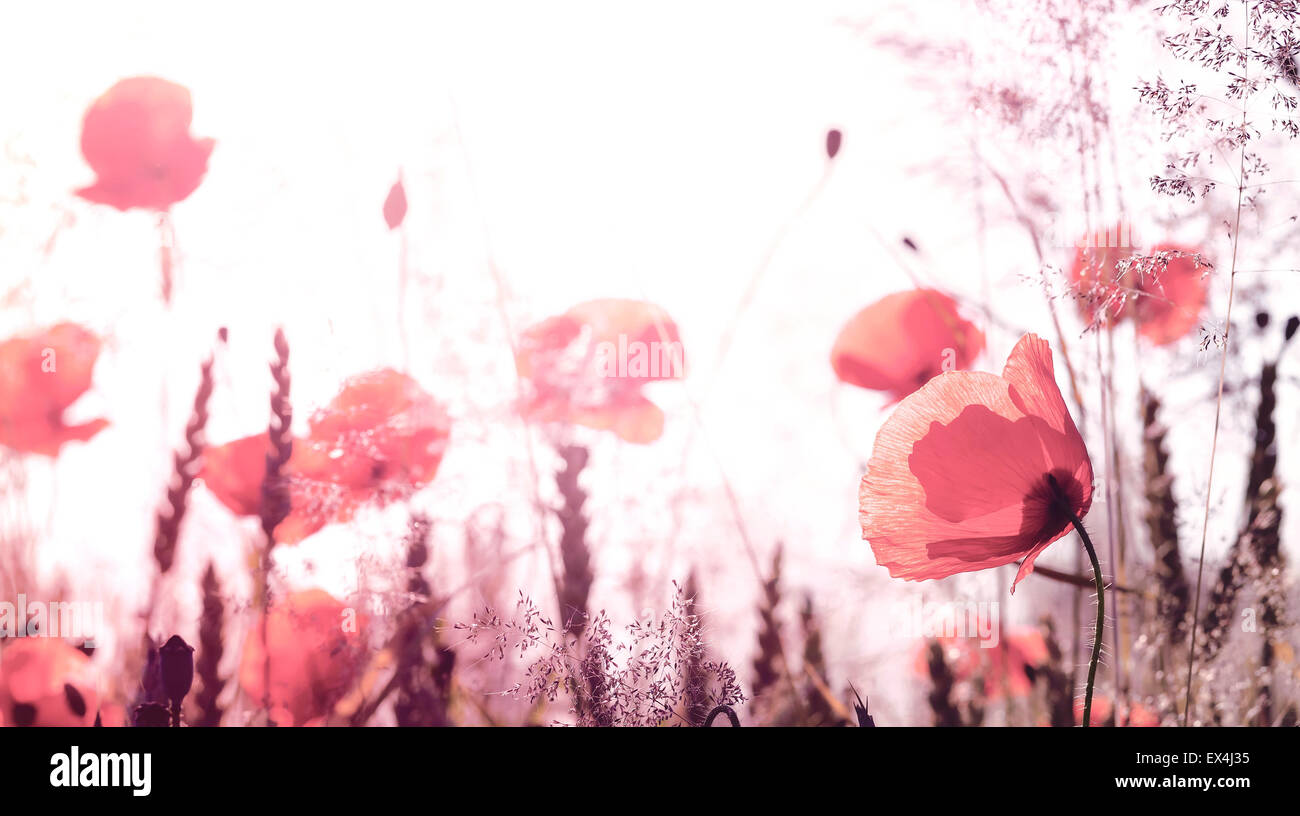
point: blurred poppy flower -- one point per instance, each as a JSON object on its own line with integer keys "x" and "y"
{"x": 1008, "y": 669}
{"x": 41, "y": 375}
{"x": 975, "y": 471}
{"x": 1165, "y": 285}
{"x": 136, "y": 137}
{"x": 587, "y": 367}
{"x": 1095, "y": 276}
{"x": 1015, "y": 662}
{"x": 46, "y": 682}
{"x": 901, "y": 341}
{"x": 1170, "y": 298}
{"x": 316, "y": 653}
{"x": 395, "y": 205}
{"x": 234, "y": 472}
{"x": 1104, "y": 713}
{"x": 1139, "y": 716}
{"x": 376, "y": 442}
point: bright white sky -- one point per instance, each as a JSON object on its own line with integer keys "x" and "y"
{"x": 594, "y": 151}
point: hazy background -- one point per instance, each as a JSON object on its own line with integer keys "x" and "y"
{"x": 663, "y": 153}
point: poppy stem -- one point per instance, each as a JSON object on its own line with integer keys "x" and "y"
{"x": 166, "y": 244}
{"x": 722, "y": 709}
{"x": 1101, "y": 618}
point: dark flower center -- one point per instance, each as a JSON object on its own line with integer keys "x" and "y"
{"x": 1056, "y": 497}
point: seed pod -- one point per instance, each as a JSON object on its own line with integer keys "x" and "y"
{"x": 833, "y": 140}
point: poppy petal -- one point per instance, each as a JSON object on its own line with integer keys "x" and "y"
{"x": 1171, "y": 300}
{"x": 136, "y": 138}
{"x": 901, "y": 341}
{"x": 234, "y": 472}
{"x": 314, "y": 658}
{"x": 588, "y": 365}
{"x": 897, "y": 515}
{"x": 41, "y": 376}
{"x": 395, "y": 205}
{"x": 958, "y": 479}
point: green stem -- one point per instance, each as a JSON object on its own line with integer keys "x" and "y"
{"x": 1101, "y": 619}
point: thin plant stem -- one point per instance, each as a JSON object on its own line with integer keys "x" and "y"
{"x": 756, "y": 278}
{"x": 1218, "y": 404}
{"x": 166, "y": 255}
{"x": 540, "y": 513}
{"x": 1083, "y": 583}
{"x": 1025, "y": 221}
{"x": 403, "y": 285}
{"x": 1062, "y": 504}
{"x": 1114, "y": 499}
{"x": 726, "y": 710}
{"x": 1101, "y": 619}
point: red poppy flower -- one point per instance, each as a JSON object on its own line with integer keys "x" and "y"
{"x": 975, "y": 470}
{"x": 136, "y": 137}
{"x": 46, "y": 682}
{"x": 395, "y": 205}
{"x": 901, "y": 341}
{"x": 316, "y": 654}
{"x": 587, "y": 367}
{"x": 376, "y": 442}
{"x": 1167, "y": 299}
{"x": 41, "y": 375}
{"x": 1170, "y": 300}
{"x": 1008, "y": 668}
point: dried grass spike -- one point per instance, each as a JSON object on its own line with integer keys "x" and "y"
{"x": 768, "y": 663}
{"x": 186, "y": 468}
{"x": 946, "y": 714}
{"x": 211, "y": 645}
{"x": 695, "y": 691}
{"x": 275, "y": 488}
{"x": 576, "y": 579}
{"x": 1173, "y": 603}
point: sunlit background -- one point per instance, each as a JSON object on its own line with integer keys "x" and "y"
{"x": 672, "y": 153}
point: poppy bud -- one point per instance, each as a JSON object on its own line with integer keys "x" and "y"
{"x": 395, "y": 205}
{"x": 176, "y": 659}
{"x": 833, "y": 139}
